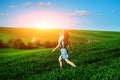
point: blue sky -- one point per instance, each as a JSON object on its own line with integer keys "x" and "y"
{"x": 85, "y": 14}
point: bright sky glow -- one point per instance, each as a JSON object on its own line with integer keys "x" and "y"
{"x": 59, "y": 14}
{"x": 43, "y": 19}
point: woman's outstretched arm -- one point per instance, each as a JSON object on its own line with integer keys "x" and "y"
{"x": 56, "y": 47}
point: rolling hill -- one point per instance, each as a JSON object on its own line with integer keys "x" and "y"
{"x": 95, "y": 61}
{"x": 26, "y": 34}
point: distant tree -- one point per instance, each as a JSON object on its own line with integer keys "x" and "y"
{"x": 35, "y": 42}
{"x": 54, "y": 44}
{"x": 29, "y": 45}
{"x": 17, "y": 43}
{"x": 1, "y": 42}
{"x": 2, "y": 45}
{"x": 10, "y": 41}
{"x": 47, "y": 44}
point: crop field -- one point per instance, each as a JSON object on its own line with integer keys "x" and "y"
{"x": 95, "y": 61}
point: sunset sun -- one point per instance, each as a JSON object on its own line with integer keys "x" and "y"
{"x": 44, "y": 24}
{"x": 44, "y": 20}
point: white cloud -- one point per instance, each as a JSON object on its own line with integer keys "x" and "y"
{"x": 79, "y": 13}
{"x": 12, "y": 6}
{"x": 27, "y": 4}
{"x": 3, "y": 14}
{"x": 45, "y": 4}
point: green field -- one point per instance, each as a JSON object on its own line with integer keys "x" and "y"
{"x": 95, "y": 61}
{"x": 52, "y": 34}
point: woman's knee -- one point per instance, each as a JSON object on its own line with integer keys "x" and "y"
{"x": 60, "y": 59}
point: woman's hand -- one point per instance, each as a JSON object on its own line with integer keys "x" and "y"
{"x": 56, "y": 47}
{"x": 53, "y": 50}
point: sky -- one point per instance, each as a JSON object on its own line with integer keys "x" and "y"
{"x": 61, "y": 14}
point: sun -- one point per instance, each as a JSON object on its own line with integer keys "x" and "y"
{"x": 44, "y": 25}
{"x": 44, "y": 20}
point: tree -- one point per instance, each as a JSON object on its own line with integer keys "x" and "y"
{"x": 47, "y": 44}
{"x": 35, "y": 42}
{"x": 1, "y": 44}
{"x": 17, "y": 43}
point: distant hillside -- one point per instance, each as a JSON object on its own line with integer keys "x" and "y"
{"x": 26, "y": 34}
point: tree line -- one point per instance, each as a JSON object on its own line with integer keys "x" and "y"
{"x": 18, "y": 43}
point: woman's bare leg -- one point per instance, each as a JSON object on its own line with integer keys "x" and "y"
{"x": 60, "y": 61}
{"x": 69, "y": 62}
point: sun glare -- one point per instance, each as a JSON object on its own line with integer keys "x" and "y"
{"x": 44, "y": 20}
{"x": 43, "y": 25}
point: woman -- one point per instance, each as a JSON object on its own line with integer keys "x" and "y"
{"x": 63, "y": 43}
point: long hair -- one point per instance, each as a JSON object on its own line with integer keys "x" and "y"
{"x": 66, "y": 38}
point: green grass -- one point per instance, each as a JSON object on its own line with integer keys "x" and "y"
{"x": 26, "y": 34}
{"x": 96, "y": 61}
